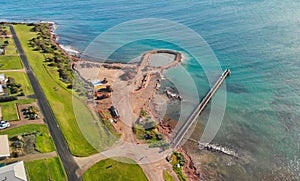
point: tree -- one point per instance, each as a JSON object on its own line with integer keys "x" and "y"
{"x": 13, "y": 90}
{"x": 70, "y": 86}
{"x": 148, "y": 125}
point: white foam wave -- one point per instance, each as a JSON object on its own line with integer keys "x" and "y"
{"x": 69, "y": 49}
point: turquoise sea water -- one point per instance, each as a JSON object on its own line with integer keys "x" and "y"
{"x": 258, "y": 40}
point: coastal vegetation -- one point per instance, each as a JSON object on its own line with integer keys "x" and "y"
{"x": 110, "y": 169}
{"x": 59, "y": 97}
{"x": 178, "y": 161}
{"x": 145, "y": 129}
{"x": 45, "y": 169}
{"x": 167, "y": 176}
{"x": 55, "y": 58}
{"x": 110, "y": 127}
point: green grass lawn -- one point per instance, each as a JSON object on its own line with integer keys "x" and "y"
{"x": 11, "y": 47}
{"x": 167, "y": 176}
{"x": 60, "y": 99}
{"x": 45, "y": 169}
{"x": 10, "y": 62}
{"x": 7, "y": 29}
{"x": 44, "y": 142}
{"x": 9, "y": 109}
{"x": 110, "y": 169}
{"x": 11, "y": 52}
{"x": 21, "y": 77}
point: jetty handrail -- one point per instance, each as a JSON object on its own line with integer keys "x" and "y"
{"x": 183, "y": 130}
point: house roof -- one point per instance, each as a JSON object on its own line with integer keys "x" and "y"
{"x": 1, "y": 89}
{"x": 96, "y": 83}
{"x": 13, "y": 172}
{"x": 2, "y": 77}
{"x": 4, "y": 148}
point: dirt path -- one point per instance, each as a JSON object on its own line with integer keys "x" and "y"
{"x": 129, "y": 102}
{"x": 17, "y": 70}
{"x": 151, "y": 160}
{"x": 14, "y": 124}
{"x": 32, "y": 157}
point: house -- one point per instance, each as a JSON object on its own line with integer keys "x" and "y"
{"x": 13, "y": 172}
{"x": 3, "y": 79}
{"x": 97, "y": 84}
{"x": 1, "y": 90}
{"x": 2, "y": 51}
{"x": 4, "y": 148}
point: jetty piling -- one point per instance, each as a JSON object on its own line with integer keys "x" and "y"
{"x": 192, "y": 118}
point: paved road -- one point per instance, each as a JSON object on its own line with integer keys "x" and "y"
{"x": 58, "y": 138}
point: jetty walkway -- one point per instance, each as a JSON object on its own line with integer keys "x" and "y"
{"x": 192, "y": 118}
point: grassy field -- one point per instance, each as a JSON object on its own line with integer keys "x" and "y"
{"x": 21, "y": 77}
{"x": 10, "y": 62}
{"x": 60, "y": 99}
{"x": 9, "y": 109}
{"x": 11, "y": 47}
{"x": 178, "y": 158}
{"x": 44, "y": 142}
{"x": 110, "y": 169}
{"x": 46, "y": 169}
{"x": 167, "y": 176}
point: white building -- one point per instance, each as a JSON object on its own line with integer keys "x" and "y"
{"x": 13, "y": 172}
{"x": 3, "y": 79}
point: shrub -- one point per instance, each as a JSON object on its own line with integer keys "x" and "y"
{"x": 143, "y": 113}
{"x": 13, "y": 90}
{"x": 8, "y": 98}
{"x": 149, "y": 125}
{"x": 21, "y": 94}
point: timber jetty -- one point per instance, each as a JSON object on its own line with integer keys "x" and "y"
{"x": 185, "y": 127}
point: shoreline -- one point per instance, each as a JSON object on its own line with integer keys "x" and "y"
{"x": 189, "y": 169}
{"x": 163, "y": 127}
{"x": 76, "y": 58}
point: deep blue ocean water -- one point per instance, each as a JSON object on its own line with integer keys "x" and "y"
{"x": 258, "y": 40}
